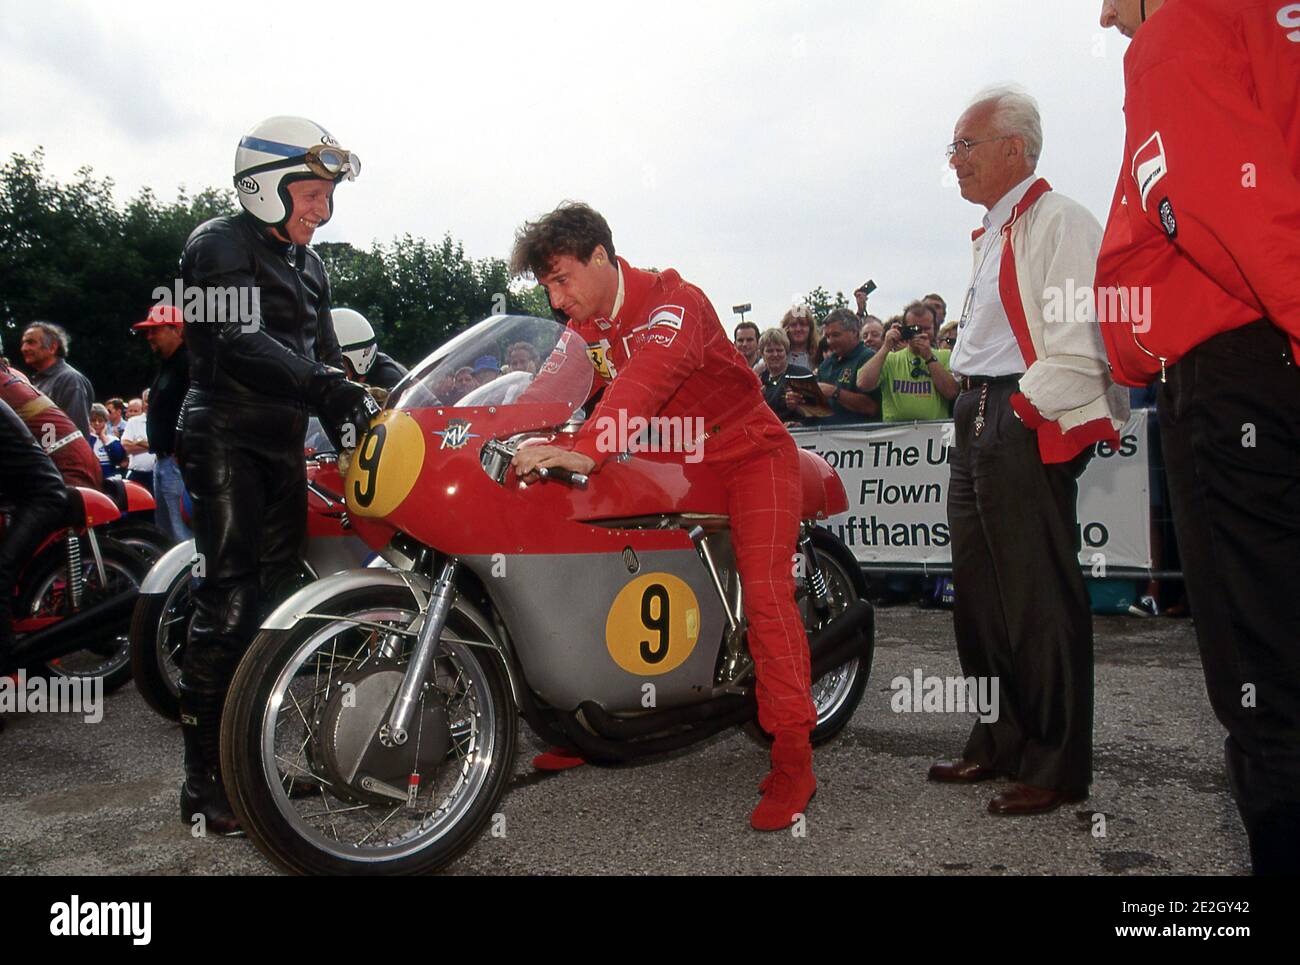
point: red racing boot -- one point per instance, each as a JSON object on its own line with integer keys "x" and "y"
{"x": 557, "y": 759}
{"x": 789, "y": 786}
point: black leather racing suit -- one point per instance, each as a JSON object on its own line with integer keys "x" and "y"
{"x": 385, "y": 372}
{"x": 34, "y": 494}
{"x": 241, "y": 445}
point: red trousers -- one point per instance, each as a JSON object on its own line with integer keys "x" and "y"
{"x": 761, "y": 470}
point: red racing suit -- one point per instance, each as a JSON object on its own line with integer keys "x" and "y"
{"x": 1204, "y": 228}
{"x": 665, "y": 353}
{"x": 53, "y": 430}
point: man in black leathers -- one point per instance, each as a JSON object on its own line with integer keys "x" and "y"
{"x": 253, "y": 376}
{"x": 34, "y": 492}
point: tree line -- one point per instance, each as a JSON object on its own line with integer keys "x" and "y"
{"x": 75, "y": 256}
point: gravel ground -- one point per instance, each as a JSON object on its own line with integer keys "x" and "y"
{"x": 102, "y": 799}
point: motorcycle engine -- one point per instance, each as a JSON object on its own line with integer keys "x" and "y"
{"x": 345, "y": 747}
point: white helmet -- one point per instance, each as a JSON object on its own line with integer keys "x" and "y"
{"x": 356, "y": 339}
{"x": 281, "y": 150}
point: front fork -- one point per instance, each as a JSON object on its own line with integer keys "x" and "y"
{"x": 441, "y": 599}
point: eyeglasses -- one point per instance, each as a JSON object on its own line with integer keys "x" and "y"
{"x": 961, "y": 147}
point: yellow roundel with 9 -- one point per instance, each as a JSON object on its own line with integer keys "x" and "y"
{"x": 385, "y": 466}
{"x": 653, "y": 624}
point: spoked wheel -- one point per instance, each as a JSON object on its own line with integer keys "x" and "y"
{"x": 836, "y": 693}
{"x": 159, "y": 627}
{"x": 304, "y": 748}
{"x": 46, "y": 594}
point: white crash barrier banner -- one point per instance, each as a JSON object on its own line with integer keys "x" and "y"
{"x": 896, "y": 477}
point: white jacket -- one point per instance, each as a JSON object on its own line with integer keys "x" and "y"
{"x": 1049, "y": 254}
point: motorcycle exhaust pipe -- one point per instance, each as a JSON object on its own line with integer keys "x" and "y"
{"x": 643, "y": 725}
{"x": 106, "y": 618}
{"x": 849, "y": 635}
{"x": 601, "y": 750}
{"x": 845, "y": 637}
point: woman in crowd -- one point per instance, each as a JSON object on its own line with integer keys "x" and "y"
{"x": 774, "y": 345}
{"x": 805, "y": 340}
{"x": 108, "y": 449}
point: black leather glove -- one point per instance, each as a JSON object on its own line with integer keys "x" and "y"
{"x": 347, "y": 408}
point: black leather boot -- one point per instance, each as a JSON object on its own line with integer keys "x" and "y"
{"x": 203, "y": 792}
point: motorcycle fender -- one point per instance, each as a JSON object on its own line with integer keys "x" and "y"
{"x": 168, "y": 568}
{"x": 287, "y": 615}
{"x": 138, "y": 499}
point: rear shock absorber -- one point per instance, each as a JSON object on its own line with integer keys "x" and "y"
{"x": 76, "y": 578}
{"x": 817, "y": 589}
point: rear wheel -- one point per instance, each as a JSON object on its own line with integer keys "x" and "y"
{"x": 310, "y": 779}
{"x": 837, "y": 693}
{"x": 46, "y": 594}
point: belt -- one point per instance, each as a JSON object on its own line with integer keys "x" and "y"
{"x": 968, "y": 382}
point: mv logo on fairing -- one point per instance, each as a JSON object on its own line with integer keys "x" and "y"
{"x": 456, "y": 434}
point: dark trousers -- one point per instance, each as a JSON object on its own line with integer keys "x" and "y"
{"x": 1230, "y": 421}
{"x": 1021, "y": 613}
{"x": 244, "y": 469}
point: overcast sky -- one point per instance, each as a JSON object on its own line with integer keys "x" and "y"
{"x": 759, "y": 148}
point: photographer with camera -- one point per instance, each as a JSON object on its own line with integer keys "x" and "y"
{"x": 914, "y": 379}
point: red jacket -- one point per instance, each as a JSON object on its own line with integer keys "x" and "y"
{"x": 1206, "y": 214}
{"x": 667, "y": 354}
{"x": 61, "y": 440}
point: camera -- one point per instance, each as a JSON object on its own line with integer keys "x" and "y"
{"x": 866, "y": 288}
{"x": 909, "y": 332}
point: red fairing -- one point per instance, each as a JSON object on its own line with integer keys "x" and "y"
{"x": 138, "y": 499}
{"x": 823, "y": 490}
{"x": 455, "y": 506}
{"x": 100, "y": 509}
{"x": 1204, "y": 226}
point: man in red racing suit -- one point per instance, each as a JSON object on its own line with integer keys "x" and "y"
{"x": 658, "y": 344}
{"x": 1198, "y": 285}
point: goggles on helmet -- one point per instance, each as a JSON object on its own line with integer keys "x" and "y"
{"x": 322, "y": 160}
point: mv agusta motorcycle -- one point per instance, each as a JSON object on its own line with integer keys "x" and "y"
{"x": 372, "y": 725}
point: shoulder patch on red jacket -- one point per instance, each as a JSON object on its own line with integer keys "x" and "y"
{"x": 1149, "y": 165}
{"x": 669, "y": 316}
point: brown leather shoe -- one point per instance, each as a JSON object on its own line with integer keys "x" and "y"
{"x": 1027, "y": 799}
{"x": 960, "y": 772}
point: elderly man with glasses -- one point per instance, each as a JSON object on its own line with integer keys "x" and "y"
{"x": 1035, "y": 397}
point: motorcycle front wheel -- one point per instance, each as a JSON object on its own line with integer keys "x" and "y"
{"x": 310, "y": 779}
{"x": 159, "y": 627}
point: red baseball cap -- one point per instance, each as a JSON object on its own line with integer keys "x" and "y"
{"x": 162, "y": 315}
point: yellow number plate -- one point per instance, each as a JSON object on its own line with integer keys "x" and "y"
{"x": 385, "y": 466}
{"x": 653, "y": 624}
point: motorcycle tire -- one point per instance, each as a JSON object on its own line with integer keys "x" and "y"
{"x": 159, "y": 628}
{"x": 144, "y": 537}
{"x": 260, "y": 712}
{"x": 108, "y": 659}
{"x": 837, "y": 693}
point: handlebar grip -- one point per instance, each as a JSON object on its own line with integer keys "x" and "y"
{"x": 575, "y": 479}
